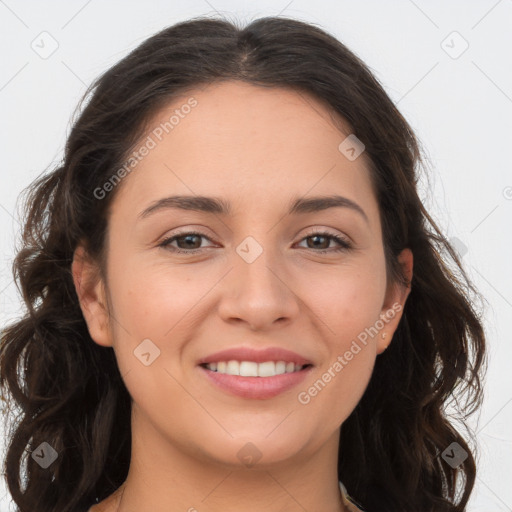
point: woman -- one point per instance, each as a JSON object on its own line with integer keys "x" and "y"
{"x": 236, "y": 299}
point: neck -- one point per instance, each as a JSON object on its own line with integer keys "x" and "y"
{"x": 163, "y": 477}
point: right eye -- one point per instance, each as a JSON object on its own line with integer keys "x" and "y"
{"x": 187, "y": 239}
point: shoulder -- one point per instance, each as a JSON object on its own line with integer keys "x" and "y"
{"x": 349, "y": 502}
{"x": 109, "y": 504}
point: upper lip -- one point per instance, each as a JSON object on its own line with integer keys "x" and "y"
{"x": 258, "y": 356}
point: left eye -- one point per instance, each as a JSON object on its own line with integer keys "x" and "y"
{"x": 343, "y": 244}
{"x": 187, "y": 244}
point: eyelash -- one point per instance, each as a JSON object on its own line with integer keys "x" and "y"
{"x": 344, "y": 244}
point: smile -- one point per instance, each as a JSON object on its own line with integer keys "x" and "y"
{"x": 254, "y": 387}
{"x": 254, "y": 369}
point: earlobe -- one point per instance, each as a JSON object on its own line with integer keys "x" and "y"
{"x": 90, "y": 291}
{"x": 394, "y": 303}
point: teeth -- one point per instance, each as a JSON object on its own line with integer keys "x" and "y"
{"x": 267, "y": 369}
{"x": 253, "y": 369}
{"x": 233, "y": 368}
{"x": 247, "y": 369}
{"x": 280, "y": 367}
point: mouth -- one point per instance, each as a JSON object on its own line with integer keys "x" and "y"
{"x": 253, "y": 369}
{"x": 255, "y": 374}
{"x": 254, "y": 381}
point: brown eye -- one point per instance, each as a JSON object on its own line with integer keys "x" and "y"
{"x": 320, "y": 242}
{"x": 186, "y": 243}
{"x": 189, "y": 241}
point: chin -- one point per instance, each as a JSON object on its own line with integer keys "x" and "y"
{"x": 258, "y": 450}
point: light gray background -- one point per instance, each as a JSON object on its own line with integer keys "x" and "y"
{"x": 461, "y": 108}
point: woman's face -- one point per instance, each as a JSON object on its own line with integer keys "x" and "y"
{"x": 266, "y": 277}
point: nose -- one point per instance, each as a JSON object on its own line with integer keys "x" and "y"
{"x": 259, "y": 294}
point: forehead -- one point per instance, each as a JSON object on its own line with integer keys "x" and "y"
{"x": 236, "y": 114}
{"x": 247, "y": 141}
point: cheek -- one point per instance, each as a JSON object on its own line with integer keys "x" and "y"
{"x": 164, "y": 304}
{"x": 331, "y": 396}
{"x": 348, "y": 306}
{"x": 157, "y": 304}
{"x": 349, "y": 299}
{"x": 152, "y": 300}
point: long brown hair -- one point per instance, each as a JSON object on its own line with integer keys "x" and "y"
{"x": 67, "y": 390}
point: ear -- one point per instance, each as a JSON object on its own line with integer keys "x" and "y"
{"x": 394, "y": 302}
{"x": 90, "y": 290}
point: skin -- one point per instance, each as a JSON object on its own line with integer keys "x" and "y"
{"x": 256, "y": 148}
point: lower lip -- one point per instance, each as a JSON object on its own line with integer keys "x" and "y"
{"x": 257, "y": 388}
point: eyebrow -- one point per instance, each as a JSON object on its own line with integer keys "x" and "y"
{"x": 299, "y": 205}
